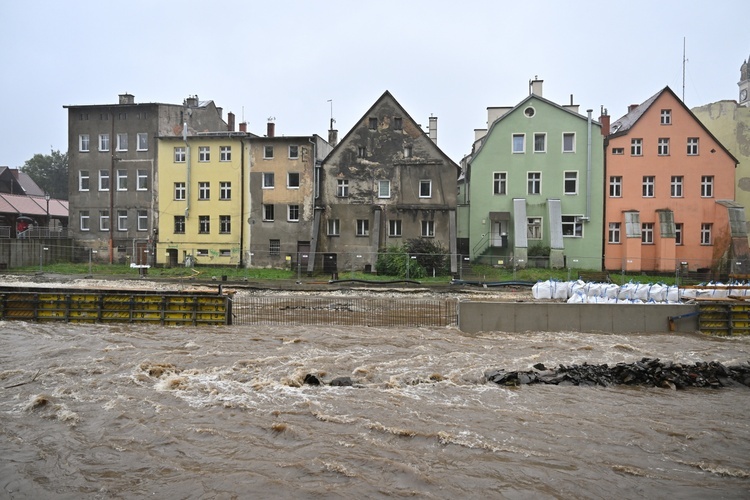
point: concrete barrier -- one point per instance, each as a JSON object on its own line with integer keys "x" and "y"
{"x": 476, "y": 317}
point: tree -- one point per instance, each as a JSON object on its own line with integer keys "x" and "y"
{"x": 50, "y": 172}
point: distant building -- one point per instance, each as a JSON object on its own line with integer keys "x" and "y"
{"x": 113, "y": 170}
{"x": 670, "y": 193}
{"x": 25, "y": 210}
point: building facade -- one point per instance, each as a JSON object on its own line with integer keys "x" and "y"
{"x": 530, "y": 192}
{"x": 670, "y": 192}
{"x": 113, "y": 170}
{"x": 385, "y": 183}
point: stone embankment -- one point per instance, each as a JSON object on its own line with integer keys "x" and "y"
{"x": 646, "y": 372}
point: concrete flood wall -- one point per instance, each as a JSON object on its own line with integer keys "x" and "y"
{"x": 476, "y": 317}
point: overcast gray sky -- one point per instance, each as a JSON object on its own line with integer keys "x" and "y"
{"x": 287, "y": 58}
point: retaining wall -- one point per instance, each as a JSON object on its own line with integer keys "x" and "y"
{"x": 476, "y": 317}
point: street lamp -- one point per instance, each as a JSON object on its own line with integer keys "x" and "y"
{"x": 46, "y": 198}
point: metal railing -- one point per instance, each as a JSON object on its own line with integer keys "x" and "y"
{"x": 35, "y": 232}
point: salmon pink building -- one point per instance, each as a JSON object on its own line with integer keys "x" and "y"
{"x": 669, "y": 193}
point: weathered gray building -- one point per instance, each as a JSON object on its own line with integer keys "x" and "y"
{"x": 113, "y": 170}
{"x": 386, "y": 182}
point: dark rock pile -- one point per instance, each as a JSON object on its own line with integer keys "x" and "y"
{"x": 647, "y": 371}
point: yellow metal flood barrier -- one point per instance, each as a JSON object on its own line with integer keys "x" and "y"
{"x": 724, "y": 318}
{"x": 116, "y": 307}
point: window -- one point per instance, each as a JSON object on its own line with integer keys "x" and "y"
{"x": 334, "y": 227}
{"x": 142, "y": 139}
{"x": 706, "y": 234}
{"x": 83, "y": 116}
{"x": 707, "y": 186}
{"x": 540, "y": 143}
{"x": 425, "y": 188}
{"x": 572, "y": 227}
{"x": 122, "y": 116}
{"x": 571, "y": 183}
{"x": 394, "y": 228}
{"x": 407, "y": 151}
{"x": 84, "y": 215}
{"x": 373, "y": 123}
{"x": 225, "y": 190}
{"x": 519, "y": 143}
{"x": 204, "y": 153}
{"x": 676, "y": 186}
{"x": 179, "y": 155}
{"x": 274, "y": 247}
{"x": 104, "y": 220}
{"x": 342, "y": 188}
{"x": 268, "y": 214}
{"x": 428, "y": 229}
{"x": 666, "y": 117}
{"x": 647, "y": 233}
{"x": 224, "y": 252}
{"x": 632, "y": 224}
{"x": 361, "y": 152}
{"x": 663, "y": 146}
{"x": 534, "y": 182}
{"x": 614, "y": 232}
{"x": 122, "y": 142}
{"x": 122, "y": 180}
{"x": 615, "y": 186}
{"x": 569, "y": 142}
{"x": 499, "y": 183}
{"x": 83, "y": 143}
{"x": 293, "y": 213}
{"x": 678, "y": 233}
{"x": 648, "y": 186}
{"x": 179, "y": 224}
{"x": 534, "y": 228}
{"x": 141, "y": 180}
{"x": 142, "y": 220}
{"x": 293, "y": 152}
{"x": 103, "y": 142}
{"x": 397, "y": 123}
{"x": 529, "y": 112}
{"x": 292, "y": 180}
{"x": 692, "y": 146}
{"x": 204, "y": 224}
{"x": 122, "y": 220}
{"x": 103, "y": 180}
{"x": 83, "y": 180}
{"x": 201, "y": 252}
{"x": 204, "y": 190}
{"x": 225, "y": 224}
{"x": 384, "y": 189}
{"x": 636, "y": 147}
{"x": 268, "y": 180}
{"x": 179, "y": 191}
{"x": 363, "y": 227}
{"x": 225, "y": 153}
{"x": 618, "y": 151}
{"x": 268, "y": 152}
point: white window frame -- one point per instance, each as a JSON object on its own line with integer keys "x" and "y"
{"x": 180, "y": 191}
{"x": 293, "y": 152}
{"x": 104, "y": 220}
{"x": 707, "y": 186}
{"x": 293, "y": 180}
{"x": 225, "y": 190}
{"x": 649, "y": 186}
{"x": 122, "y": 142}
{"x": 84, "y": 143}
{"x": 636, "y": 147}
{"x": 179, "y": 154}
{"x": 204, "y": 224}
{"x": 142, "y": 141}
{"x": 522, "y": 145}
{"x": 122, "y": 220}
{"x": 333, "y": 227}
{"x": 574, "y": 174}
{"x": 615, "y": 186}
{"x": 225, "y": 224}
{"x": 678, "y": 230}
{"x": 104, "y": 179}
{"x": 394, "y": 228}
{"x": 666, "y": 117}
{"x": 269, "y": 180}
{"x": 425, "y": 183}
{"x": 614, "y": 233}
{"x": 141, "y": 179}
{"x": 179, "y": 224}
{"x": 706, "y": 233}
{"x": 269, "y": 209}
{"x": 575, "y": 222}
{"x": 225, "y": 153}
{"x": 363, "y": 227}
{"x": 103, "y": 142}
{"x": 543, "y": 136}
{"x": 428, "y": 229}
{"x": 572, "y": 135}
{"x": 384, "y": 189}
{"x": 292, "y": 213}
{"x": 142, "y": 220}
{"x": 692, "y": 146}
{"x": 533, "y": 182}
{"x": 500, "y": 183}
{"x": 662, "y": 147}
{"x": 85, "y": 220}
{"x": 676, "y": 186}
{"x": 204, "y": 191}
{"x": 83, "y": 178}
{"x": 204, "y": 154}
{"x": 534, "y": 228}
{"x": 342, "y": 188}
{"x": 647, "y": 233}
{"x": 122, "y": 179}
{"x": 618, "y": 151}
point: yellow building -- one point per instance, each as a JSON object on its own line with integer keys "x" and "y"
{"x": 200, "y": 192}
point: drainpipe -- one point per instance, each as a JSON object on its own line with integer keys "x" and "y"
{"x": 316, "y": 169}
{"x": 242, "y": 200}
{"x": 187, "y": 180}
{"x": 588, "y": 166}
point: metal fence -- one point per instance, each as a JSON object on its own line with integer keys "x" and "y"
{"x": 344, "y": 311}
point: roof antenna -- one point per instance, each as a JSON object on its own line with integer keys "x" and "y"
{"x": 683, "y": 69}
{"x": 332, "y": 120}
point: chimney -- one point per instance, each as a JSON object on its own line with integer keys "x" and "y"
{"x": 632, "y": 107}
{"x": 433, "y": 129}
{"x": 571, "y": 107}
{"x": 270, "y": 129}
{"x": 230, "y": 121}
{"x": 604, "y": 119}
{"x": 536, "y": 86}
{"x": 191, "y": 101}
{"x": 333, "y": 137}
{"x": 243, "y": 127}
{"x": 127, "y": 98}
